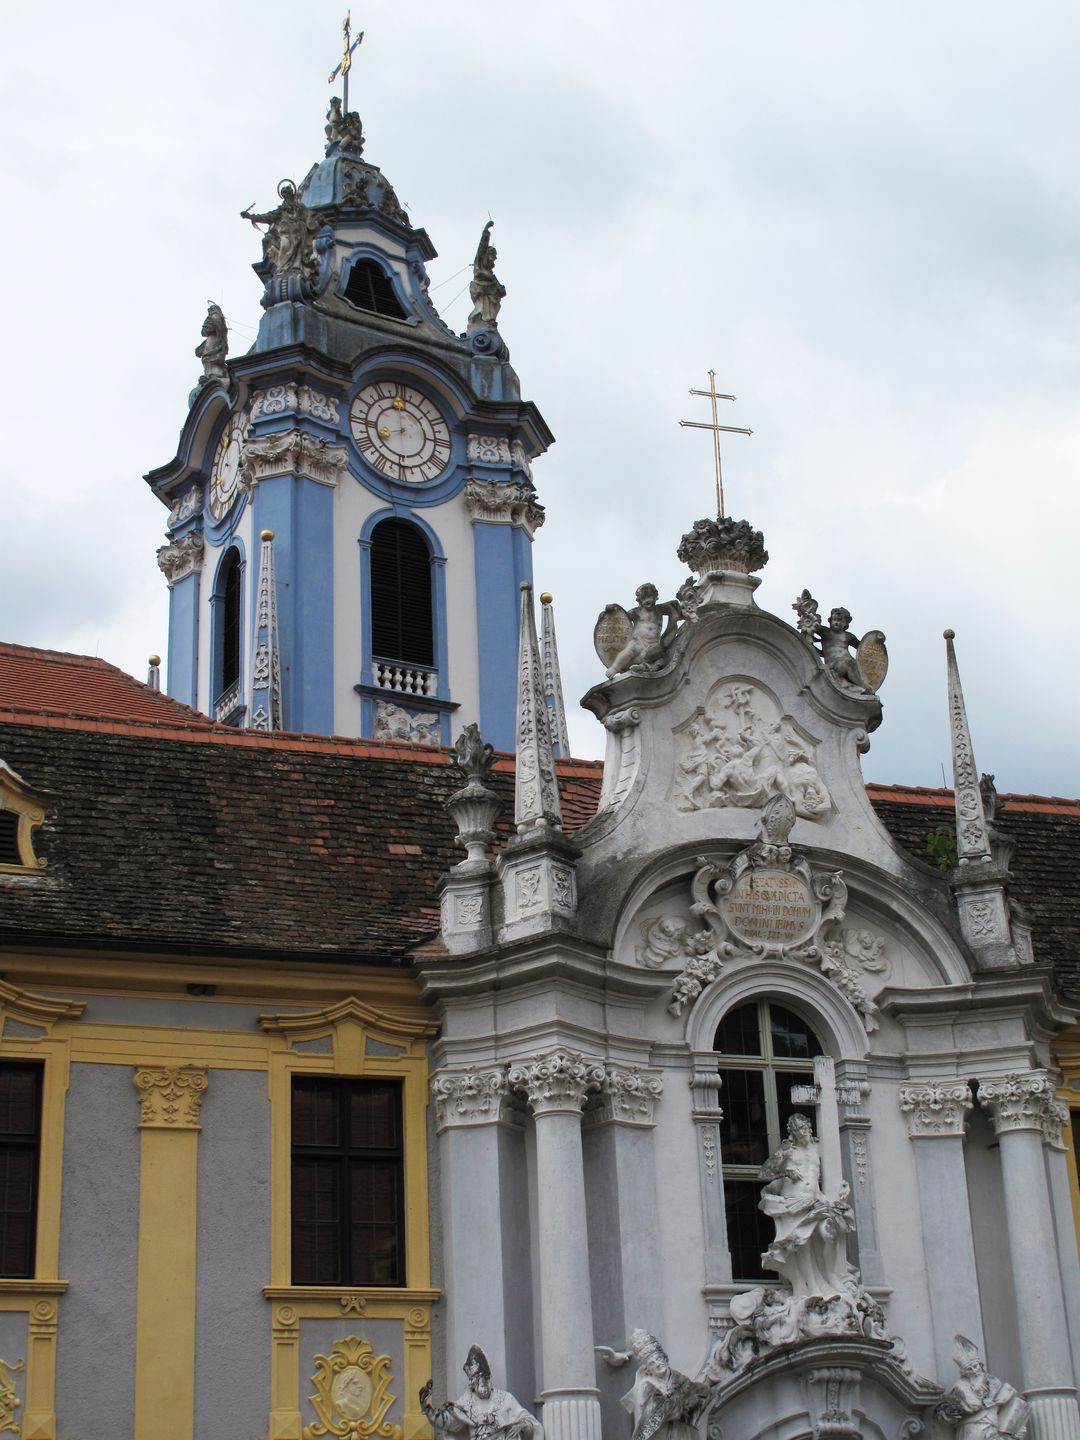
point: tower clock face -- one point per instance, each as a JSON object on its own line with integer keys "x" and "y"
{"x": 225, "y": 475}
{"x": 400, "y": 432}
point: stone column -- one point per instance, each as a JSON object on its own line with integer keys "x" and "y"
{"x": 169, "y": 1103}
{"x": 936, "y": 1111}
{"x": 1026, "y": 1114}
{"x": 556, "y": 1085}
{"x": 482, "y": 1177}
{"x": 707, "y": 1114}
{"x": 852, "y": 1092}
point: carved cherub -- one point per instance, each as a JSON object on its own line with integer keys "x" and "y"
{"x": 653, "y": 627}
{"x": 836, "y": 642}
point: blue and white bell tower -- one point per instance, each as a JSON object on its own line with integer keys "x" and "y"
{"x": 375, "y": 462}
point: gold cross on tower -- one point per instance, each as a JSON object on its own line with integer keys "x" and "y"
{"x": 714, "y": 395}
{"x": 344, "y": 65}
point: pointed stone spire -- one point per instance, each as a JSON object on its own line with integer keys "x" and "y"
{"x": 266, "y": 669}
{"x": 972, "y": 833}
{"x": 536, "y": 790}
{"x": 549, "y": 654}
{"x": 153, "y": 673}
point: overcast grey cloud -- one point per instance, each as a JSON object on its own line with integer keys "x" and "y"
{"x": 866, "y": 218}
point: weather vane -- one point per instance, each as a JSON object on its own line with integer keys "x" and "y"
{"x": 344, "y": 65}
{"x": 713, "y": 394}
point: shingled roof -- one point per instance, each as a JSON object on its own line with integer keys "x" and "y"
{"x": 198, "y": 839}
{"x": 52, "y": 682}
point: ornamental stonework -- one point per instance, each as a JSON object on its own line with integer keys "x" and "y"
{"x": 170, "y": 1098}
{"x": 498, "y": 503}
{"x": 939, "y": 1107}
{"x": 469, "y": 1097}
{"x": 293, "y": 452}
{"x": 556, "y": 1082}
{"x": 628, "y": 1096}
{"x": 1025, "y": 1102}
{"x": 180, "y": 558}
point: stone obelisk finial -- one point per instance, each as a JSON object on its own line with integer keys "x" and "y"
{"x": 972, "y": 834}
{"x": 266, "y": 666}
{"x": 549, "y": 654}
{"x": 536, "y": 790}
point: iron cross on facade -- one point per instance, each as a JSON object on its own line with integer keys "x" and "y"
{"x": 714, "y": 395}
{"x": 344, "y": 65}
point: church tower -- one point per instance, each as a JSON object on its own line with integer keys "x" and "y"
{"x": 351, "y": 508}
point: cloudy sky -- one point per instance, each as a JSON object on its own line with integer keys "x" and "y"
{"x": 865, "y": 217}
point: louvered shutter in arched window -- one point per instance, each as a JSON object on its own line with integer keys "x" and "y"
{"x": 401, "y": 621}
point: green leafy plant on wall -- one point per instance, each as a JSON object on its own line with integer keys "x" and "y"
{"x": 941, "y": 847}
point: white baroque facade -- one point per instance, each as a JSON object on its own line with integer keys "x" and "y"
{"x": 610, "y": 1081}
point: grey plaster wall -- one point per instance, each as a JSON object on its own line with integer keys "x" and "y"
{"x": 232, "y": 1345}
{"x": 317, "y": 1337}
{"x": 13, "y": 1349}
{"x": 986, "y": 1196}
{"x": 194, "y": 1013}
{"x": 99, "y": 1232}
{"x": 605, "y": 1265}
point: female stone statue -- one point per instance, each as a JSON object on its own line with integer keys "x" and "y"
{"x": 810, "y": 1228}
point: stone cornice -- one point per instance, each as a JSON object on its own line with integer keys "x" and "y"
{"x": 1025, "y": 1102}
{"x": 936, "y": 1108}
{"x": 180, "y": 558}
{"x": 292, "y": 452}
{"x": 470, "y": 1097}
{"x": 170, "y": 1098}
{"x": 556, "y": 1083}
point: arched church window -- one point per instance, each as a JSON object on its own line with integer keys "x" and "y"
{"x": 228, "y": 607}
{"x": 765, "y": 1051}
{"x": 369, "y": 288}
{"x": 402, "y": 628}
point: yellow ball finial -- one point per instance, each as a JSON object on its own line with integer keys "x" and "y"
{"x": 267, "y": 535}
{"x": 948, "y": 634}
{"x": 155, "y": 660}
{"x": 546, "y": 598}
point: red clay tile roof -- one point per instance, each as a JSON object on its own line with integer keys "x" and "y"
{"x": 51, "y": 682}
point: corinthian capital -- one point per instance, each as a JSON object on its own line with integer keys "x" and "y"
{"x": 1025, "y": 1102}
{"x": 629, "y": 1096}
{"x": 937, "y": 1108}
{"x": 469, "y": 1097}
{"x": 558, "y": 1081}
{"x": 180, "y": 558}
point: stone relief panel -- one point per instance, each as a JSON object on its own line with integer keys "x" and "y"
{"x": 740, "y": 750}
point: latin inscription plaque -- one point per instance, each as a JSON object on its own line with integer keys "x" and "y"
{"x": 770, "y": 907}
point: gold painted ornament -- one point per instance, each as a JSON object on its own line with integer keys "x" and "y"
{"x": 352, "y": 1393}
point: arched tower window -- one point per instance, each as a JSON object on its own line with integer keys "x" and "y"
{"x": 402, "y": 627}
{"x": 228, "y": 635}
{"x": 370, "y": 288}
{"x": 765, "y": 1050}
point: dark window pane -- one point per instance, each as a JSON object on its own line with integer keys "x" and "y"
{"x": 229, "y": 635}
{"x": 744, "y": 1138}
{"x": 792, "y": 1038}
{"x": 739, "y": 1032}
{"x": 374, "y": 1118}
{"x": 18, "y": 1100}
{"x": 749, "y": 1232}
{"x": 1074, "y": 1116}
{"x": 315, "y": 1114}
{"x": 9, "y": 838}
{"x": 20, "y": 1110}
{"x": 401, "y": 622}
{"x": 369, "y": 288}
{"x": 785, "y": 1079}
{"x": 348, "y": 1212}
